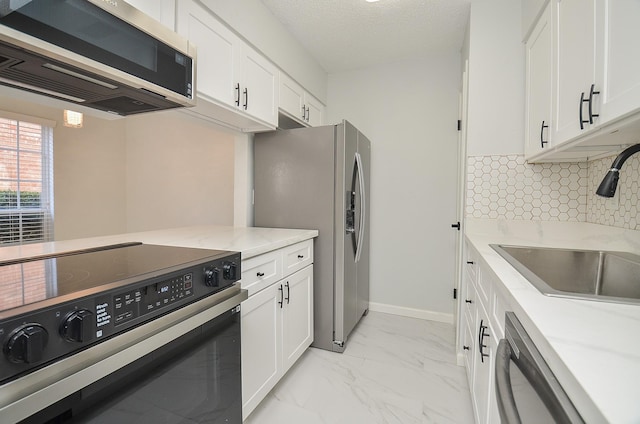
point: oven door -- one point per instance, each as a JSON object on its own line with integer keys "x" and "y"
{"x": 526, "y": 389}
{"x": 192, "y": 378}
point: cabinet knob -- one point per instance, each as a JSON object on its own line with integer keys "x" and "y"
{"x": 260, "y": 274}
{"x": 300, "y": 256}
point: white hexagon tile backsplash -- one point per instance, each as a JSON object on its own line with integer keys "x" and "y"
{"x": 506, "y": 187}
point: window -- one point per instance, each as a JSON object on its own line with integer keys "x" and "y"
{"x": 26, "y": 180}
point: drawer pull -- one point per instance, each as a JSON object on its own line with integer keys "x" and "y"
{"x": 260, "y": 274}
{"x": 465, "y": 347}
{"x": 300, "y": 256}
{"x": 470, "y": 262}
{"x": 468, "y": 301}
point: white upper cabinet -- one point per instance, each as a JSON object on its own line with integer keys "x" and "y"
{"x": 314, "y": 110}
{"x": 619, "y": 53}
{"x": 259, "y": 84}
{"x": 576, "y": 68}
{"x": 298, "y": 104}
{"x": 162, "y": 11}
{"x": 596, "y": 80}
{"x": 235, "y": 85}
{"x": 539, "y": 63}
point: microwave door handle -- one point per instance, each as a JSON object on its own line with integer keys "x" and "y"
{"x": 504, "y": 392}
{"x": 361, "y": 225}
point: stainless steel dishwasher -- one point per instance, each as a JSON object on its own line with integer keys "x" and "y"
{"x": 526, "y": 389}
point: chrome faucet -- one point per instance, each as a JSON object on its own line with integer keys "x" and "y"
{"x": 609, "y": 183}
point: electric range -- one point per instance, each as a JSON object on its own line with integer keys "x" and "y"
{"x": 54, "y": 306}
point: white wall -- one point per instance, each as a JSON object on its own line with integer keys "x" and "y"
{"x": 180, "y": 172}
{"x": 496, "y": 79}
{"x": 408, "y": 110}
{"x": 157, "y": 170}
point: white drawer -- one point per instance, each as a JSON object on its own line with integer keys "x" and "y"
{"x": 471, "y": 261}
{"x": 261, "y": 271}
{"x": 297, "y": 256}
{"x": 483, "y": 285}
{"x": 498, "y": 310}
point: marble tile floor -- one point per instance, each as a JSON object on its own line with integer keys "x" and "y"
{"x": 394, "y": 370}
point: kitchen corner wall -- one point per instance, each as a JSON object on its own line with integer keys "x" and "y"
{"x": 158, "y": 170}
{"x": 506, "y": 187}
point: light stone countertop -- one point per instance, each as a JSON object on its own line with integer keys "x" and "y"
{"x": 250, "y": 241}
{"x": 592, "y": 347}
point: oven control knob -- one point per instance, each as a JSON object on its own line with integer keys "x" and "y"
{"x": 78, "y": 326}
{"x": 212, "y": 276}
{"x": 230, "y": 271}
{"x": 26, "y": 344}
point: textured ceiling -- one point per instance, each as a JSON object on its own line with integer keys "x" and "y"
{"x": 350, "y": 34}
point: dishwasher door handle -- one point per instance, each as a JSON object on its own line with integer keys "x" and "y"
{"x": 504, "y": 393}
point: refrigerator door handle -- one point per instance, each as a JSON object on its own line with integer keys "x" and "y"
{"x": 362, "y": 206}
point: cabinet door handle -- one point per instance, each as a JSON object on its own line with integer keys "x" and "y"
{"x": 470, "y": 262}
{"x": 246, "y": 98}
{"x": 542, "y": 127}
{"x": 300, "y": 256}
{"x": 281, "y": 296}
{"x": 468, "y": 301}
{"x": 481, "y": 335}
{"x": 465, "y": 347}
{"x": 260, "y": 274}
{"x": 308, "y": 114}
{"x": 591, "y": 94}
{"x": 288, "y": 292}
{"x": 582, "y": 100}
{"x": 304, "y": 113}
{"x": 238, "y": 94}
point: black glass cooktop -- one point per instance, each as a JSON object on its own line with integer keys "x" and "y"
{"x": 36, "y": 279}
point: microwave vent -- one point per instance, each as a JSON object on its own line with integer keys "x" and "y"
{"x": 125, "y": 105}
{"x": 36, "y": 81}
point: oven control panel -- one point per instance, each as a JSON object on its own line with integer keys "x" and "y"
{"x": 41, "y": 337}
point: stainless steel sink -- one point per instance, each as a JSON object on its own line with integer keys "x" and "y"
{"x": 584, "y": 274}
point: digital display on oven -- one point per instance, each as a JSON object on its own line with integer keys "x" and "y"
{"x": 136, "y": 303}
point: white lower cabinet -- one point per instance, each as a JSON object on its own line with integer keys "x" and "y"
{"x": 261, "y": 346}
{"x": 277, "y": 327}
{"x": 482, "y": 328}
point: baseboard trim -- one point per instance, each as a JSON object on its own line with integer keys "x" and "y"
{"x": 411, "y": 312}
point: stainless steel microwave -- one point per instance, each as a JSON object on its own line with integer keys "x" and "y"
{"x": 104, "y": 54}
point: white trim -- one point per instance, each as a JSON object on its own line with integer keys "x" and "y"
{"x": 411, "y": 312}
{"x": 27, "y": 118}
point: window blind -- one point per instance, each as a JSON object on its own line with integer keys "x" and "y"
{"x": 26, "y": 182}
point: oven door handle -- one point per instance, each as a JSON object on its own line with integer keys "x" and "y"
{"x": 504, "y": 393}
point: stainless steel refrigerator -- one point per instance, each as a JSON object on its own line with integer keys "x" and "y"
{"x": 318, "y": 178}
